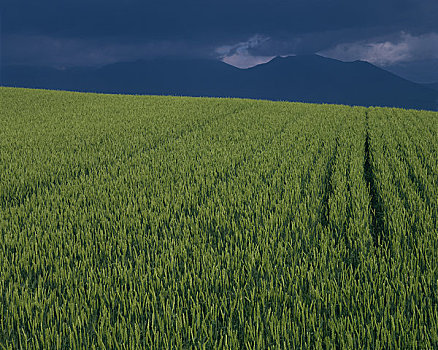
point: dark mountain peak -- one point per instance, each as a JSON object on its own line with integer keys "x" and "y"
{"x": 304, "y": 78}
{"x": 307, "y": 59}
{"x": 292, "y": 58}
{"x": 282, "y": 61}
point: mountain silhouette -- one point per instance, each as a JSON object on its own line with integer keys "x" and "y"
{"x": 305, "y": 78}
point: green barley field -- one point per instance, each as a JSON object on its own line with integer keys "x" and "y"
{"x": 146, "y": 222}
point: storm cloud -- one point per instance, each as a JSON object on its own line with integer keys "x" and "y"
{"x": 405, "y": 48}
{"x": 240, "y": 32}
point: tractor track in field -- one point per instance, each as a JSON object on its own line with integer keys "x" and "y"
{"x": 377, "y": 222}
{"x": 325, "y": 214}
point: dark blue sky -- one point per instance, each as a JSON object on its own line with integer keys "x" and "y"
{"x": 395, "y": 34}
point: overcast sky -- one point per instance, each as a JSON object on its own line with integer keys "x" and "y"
{"x": 61, "y": 33}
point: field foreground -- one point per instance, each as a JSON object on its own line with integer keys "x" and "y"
{"x": 170, "y": 222}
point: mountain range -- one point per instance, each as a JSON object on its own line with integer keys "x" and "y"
{"x": 305, "y": 78}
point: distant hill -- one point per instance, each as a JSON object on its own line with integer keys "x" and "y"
{"x": 417, "y": 71}
{"x": 307, "y": 78}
